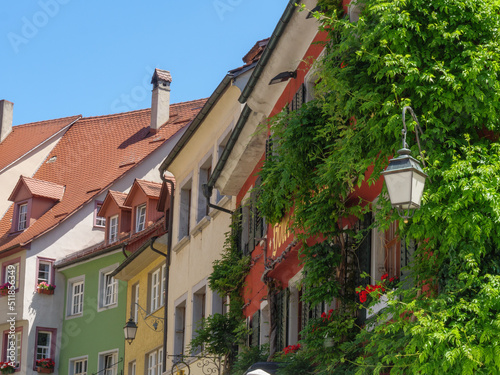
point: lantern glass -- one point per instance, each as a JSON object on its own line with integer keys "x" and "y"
{"x": 130, "y": 329}
{"x": 405, "y": 181}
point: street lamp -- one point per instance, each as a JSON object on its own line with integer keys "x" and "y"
{"x": 130, "y": 329}
{"x": 404, "y": 177}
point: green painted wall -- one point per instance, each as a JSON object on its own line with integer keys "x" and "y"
{"x": 94, "y": 331}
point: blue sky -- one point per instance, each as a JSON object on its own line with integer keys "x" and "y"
{"x": 61, "y": 58}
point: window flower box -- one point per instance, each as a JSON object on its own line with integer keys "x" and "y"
{"x": 45, "y": 366}
{"x": 44, "y": 288}
{"x": 45, "y": 370}
{"x": 7, "y": 368}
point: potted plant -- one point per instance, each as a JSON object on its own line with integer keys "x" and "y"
{"x": 4, "y": 289}
{"x": 45, "y": 366}
{"x": 7, "y": 368}
{"x": 45, "y": 288}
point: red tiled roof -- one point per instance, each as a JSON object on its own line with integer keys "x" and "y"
{"x": 39, "y": 188}
{"x": 24, "y": 138}
{"x": 92, "y": 154}
{"x": 119, "y": 198}
{"x": 151, "y": 189}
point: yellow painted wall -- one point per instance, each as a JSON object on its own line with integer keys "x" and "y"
{"x": 146, "y": 339}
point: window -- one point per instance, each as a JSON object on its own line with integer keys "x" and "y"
{"x": 22, "y": 216}
{"x": 45, "y": 270}
{"x": 140, "y": 219}
{"x": 99, "y": 221}
{"x": 185, "y": 210}
{"x": 108, "y": 288}
{"x": 253, "y": 225}
{"x": 135, "y": 302}
{"x": 75, "y": 297}
{"x": 154, "y": 362}
{"x": 180, "y": 328}
{"x": 220, "y": 149}
{"x": 78, "y": 366}
{"x": 113, "y": 229}
{"x": 132, "y": 368}
{"x": 203, "y": 176}
{"x": 162, "y": 286}
{"x": 108, "y": 363}
{"x": 298, "y": 99}
{"x": 199, "y": 312}
{"x": 156, "y": 288}
{"x": 45, "y": 344}
{"x": 15, "y": 341}
{"x": 12, "y": 272}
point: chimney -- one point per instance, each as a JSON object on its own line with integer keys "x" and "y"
{"x": 160, "y": 100}
{"x": 6, "y": 111}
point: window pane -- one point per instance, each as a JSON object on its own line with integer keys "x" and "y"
{"x": 43, "y": 272}
{"x": 141, "y": 218}
{"x": 43, "y": 345}
{"x": 109, "y": 290}
{"x": 23, "y": 215}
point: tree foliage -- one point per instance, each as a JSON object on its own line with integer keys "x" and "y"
{"x": 442, "y": 58}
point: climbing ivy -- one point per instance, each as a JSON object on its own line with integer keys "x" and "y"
{"x": 220, "y": 334}
{"x": 442, "y": 58}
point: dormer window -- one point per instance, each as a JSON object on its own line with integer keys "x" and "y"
{"x": 23, "y": 216}
{"x": 32, "y": 198}
{"x": 140, "y": 218}
{"x": 113, "y": 229}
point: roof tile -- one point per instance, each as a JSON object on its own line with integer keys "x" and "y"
{"x": 24, "y": 138}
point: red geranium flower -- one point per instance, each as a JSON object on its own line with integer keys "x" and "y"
{"x": 362, "y": 296}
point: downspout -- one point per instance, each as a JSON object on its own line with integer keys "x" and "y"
{"x": 167, "y": 269}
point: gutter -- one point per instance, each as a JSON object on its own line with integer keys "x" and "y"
{"x": 167, "y": 268}
{"x": 63, "y": 264}
{"x": 266, "y": 55}
{"x": 214, "y": 98}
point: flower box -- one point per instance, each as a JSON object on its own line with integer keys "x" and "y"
{"x": 45, "y": 370}
{"x": 45, "y": 291}
{"x": 45, "y": 288}
{"x": 4, "y": 292}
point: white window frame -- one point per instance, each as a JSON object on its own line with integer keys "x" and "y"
{"x": 185, "y": 208}
{"x": 155, "y": 290}
{"x": 140, "y": 218}
{"x": 199, "y": 308}
{"x": 48, "y": 280}
{"x": 180, "y": 327}
{"x": 73, "y": 364}
{"x": 99, "y": 221}
{"x": 43, "y": 351}
{"x": 22, "y": 217}
{"x": 204, "y": 172}
{"x": 109, "y": 357}
{"x": 132, "y": 368}
{"x": 135, "y": 302}
{"x": 108, "y": 289}
{"x": 75, "y": 298}
{"x": 113, "y": 229}
{"x": 154, "y": 361}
